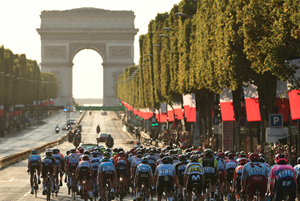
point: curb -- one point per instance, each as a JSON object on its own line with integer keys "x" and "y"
{"x": 14, "y": 158}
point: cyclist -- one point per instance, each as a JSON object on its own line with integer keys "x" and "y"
{"x": 179, "y": 170}
{"x": 84, "y": 169}
{"x": 237, "y": 178}
{"x": 165, "y": 178}
{"x": 256, "y": 175}
{"x": 58, "y": 160}
{"x": 221, "y": 172}
{"x": 152, "y": 160}
{"x": 134, "y": 163}
{"x": 106, "y": 175}
{"x": 71, "y": 164}
{"x": 66, "y": 157}
{"x": 95, "y": 161}
{"x": 285, "y": 176}
{"x": 109, "y": 141}
{"x": 143, "y": 175}
{"x": 48, "y": 165}
{"x": 34, "y": 162}
{"x": 194, "y": 174}
{"x": 210, "y": 166}
{"x": 122, "y": 169}
{"x": 297, "y": 170}
{"x": 62, "y": 167}
{"x": 231, "y": 164}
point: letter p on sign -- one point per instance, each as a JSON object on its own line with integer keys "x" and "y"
{"x": 276, "y": 120}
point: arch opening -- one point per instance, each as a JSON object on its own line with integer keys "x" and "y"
{"x": 87, "y": 78}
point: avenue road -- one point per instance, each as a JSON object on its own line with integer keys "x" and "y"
{"x": 36, "y": 135}
{"x": 14, "y": 181}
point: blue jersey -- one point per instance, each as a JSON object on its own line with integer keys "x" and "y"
{"x": 143, "y": 168}
{"x": 34, "y": 160}
{"x": 221, "y": 164}
{"x": 106, "y": 167}
{"x": 95, "y": 163}
{"x": 110, "y": 160}
{"x": 253, "y": 169}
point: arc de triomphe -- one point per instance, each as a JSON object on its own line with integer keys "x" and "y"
{"x": 65, "y": 33}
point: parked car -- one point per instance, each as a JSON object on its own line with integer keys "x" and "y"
{"x": 102, "y": 137}
{"x": 104, "y": 113}
{"x": 72, "y": 121}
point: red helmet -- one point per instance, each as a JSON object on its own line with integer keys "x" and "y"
{"x": 220, "y": 155}
{"x": 243, "y": 161}
{"x": 230, "y": 156}
{"x": 85, "y": 158}
{"x": 254, "y": 156}
{"x": 281, "y": 157}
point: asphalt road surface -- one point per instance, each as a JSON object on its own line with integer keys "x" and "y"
{"x": 14, "y": 180}
{"x": 34, "y": 136}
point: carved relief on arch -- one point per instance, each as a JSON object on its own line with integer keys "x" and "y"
{"x": 76, "y": 47}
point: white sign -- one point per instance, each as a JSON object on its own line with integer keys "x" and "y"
{"x": 273, "y": 134}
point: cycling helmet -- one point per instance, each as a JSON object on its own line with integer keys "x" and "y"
{"x": 144, "y": 160}
{"x": 237, "y": 153}
{"x": 231, "y": 156}
{"x": 73, "y": 150}
{"x": 159, "y": 150}
{"x": 68, "y": 152}
{"x": 262, "y": 159}
{"x": 108, "y": 150}
{"x": 242, "y": 152}
{"x": 243, "y": 161}
{"x": 85, "y": 158}
{"x": 101, "y": 146}
{"x": 151, "y": 152}
{"x": 172, "y": 152}
{"x": 120, "y": 149}
{"x": 122, "y": 153}
{"x": 87, "y": 152}
{"x": 55, "y": 151}
{"x": 161, "y": 155}
{"x": 194, "y": 158}
{"x": 298, "y": 160}
{"x": 108, "y": 135}
{"x": 179, "y": 152}
{"x": 208, "y": 152}
{"x": 95, "y": 154}
{"x": 138, "y": 143}
{"x": 33, "y": 151}
{"x": 58, "y": 150}
{"x": 106, "y": 154}
{"x": 281, "y": 159}
{"x": 169, "y": 147}
{"x": 139, "y": 155}
{"x": 97, "y": 149}
{"x": 80, "y": 149}
{"x": 261, "y": 155}
{"x": 188, "y": 150}
{"x": 226, "y": 153}
{"x": 48, "y": 152}
{"x": 182, "y": 157}
{"x": 115, "y": 150}
{"x": 243, "y": 155}
{"x": 166, "y": 160}
{"x": 220, "y": 155}
{"x": 174, "y": 157}
{"x": 254, "y": 157}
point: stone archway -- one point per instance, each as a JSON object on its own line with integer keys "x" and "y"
{"x": 65, "y": 33}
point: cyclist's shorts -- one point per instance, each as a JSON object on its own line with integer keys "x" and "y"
{"x": 164, "y": 182}
{"x": 153, "y": 167}
{"x": 238, "y": 185}
{"x": 143, "y": 178}
{"x": 47, "y": 169}
{"x": 210, "y": 177}
{"x": 221, "y": 176}
{"x": 72, "y": 167}
{"x": 84, "y": 172}
{"x": 256, "y": 182}
{"x": 37, "y": 167}
{"x": 285, "y": 186}
{"x": 180, "y": 179}
{"x": 105, "y": 178}
{"x": 121, "y": 170}
{"x": 194, "y": 180}
{"x": 230, "y": 174}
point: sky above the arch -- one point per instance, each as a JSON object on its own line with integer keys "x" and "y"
{"x": 19, "y": 20}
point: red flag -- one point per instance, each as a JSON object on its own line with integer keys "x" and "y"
{"x": 186, "y": 104}
{"x": 192, "y": 109}
{"x": 157, "y": 115}
{"x": 178, "y": 110}
{"x": 282, "y": 100}
{"x": 1, "y": 110}
{"x": 163, "y": 117}
{"x": 252, "y": 104}
{"x": 170, "y": 113}
{"x": 226, "y": 105}
{"x": 294, "y": 99}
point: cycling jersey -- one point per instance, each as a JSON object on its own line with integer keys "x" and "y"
{"x": 159, "y": 162}
{"x": 47, "y": 165}
{"x": 179, "y": 170}
{"x": 110, "y": 160}
{"x": 121, "y": 165}
{"x": 95, "y": 164}
{"x": 72, "y": 162}
{"x": 230, "y": 168}
{"x": 58, "y": 160}
{"x": 34, "y": 161}
{"x": 210, "y": 167}
{"x": 256, "y": 173}
{"x": 238, "y": 177}
{"x": 221, "y": 169}
{"x": 143, "y": 174}
{"x": 165, "y": 173}
{"x": 286, "y": 181}
{"x": 107, "y": 171}
{"x": 84, "y": 169}
{"x": 297, "y": 171}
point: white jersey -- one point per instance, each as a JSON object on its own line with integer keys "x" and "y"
{"x": 297, "y": 170}
{"x": 165, "y": 170}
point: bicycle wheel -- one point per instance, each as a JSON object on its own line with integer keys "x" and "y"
{"x": 121, "y": 191}
{"x": 35, "y": 185}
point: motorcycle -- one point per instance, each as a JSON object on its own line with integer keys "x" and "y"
{"x": 57, "y": 129}
{"x": 98, "y": 130}
{"x": 109, "y": 144}
{"x": 90, "y": 113}
{"x": 70, "y": 137}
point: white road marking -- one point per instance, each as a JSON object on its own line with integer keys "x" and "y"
{"x": 26, "y": 193}
{"x": 11, "y": 179}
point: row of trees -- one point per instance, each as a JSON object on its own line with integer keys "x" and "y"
{"x": 22, "y": 82}
{"x": 215, "y": 44}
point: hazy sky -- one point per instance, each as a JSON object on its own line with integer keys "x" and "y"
{"x": 20, "y": 18}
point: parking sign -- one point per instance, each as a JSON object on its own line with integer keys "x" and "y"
{"x": 216, "y": 120}
{"x": 276, "y": 120}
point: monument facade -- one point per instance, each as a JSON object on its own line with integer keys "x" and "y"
{"x": 65, "y": 33}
